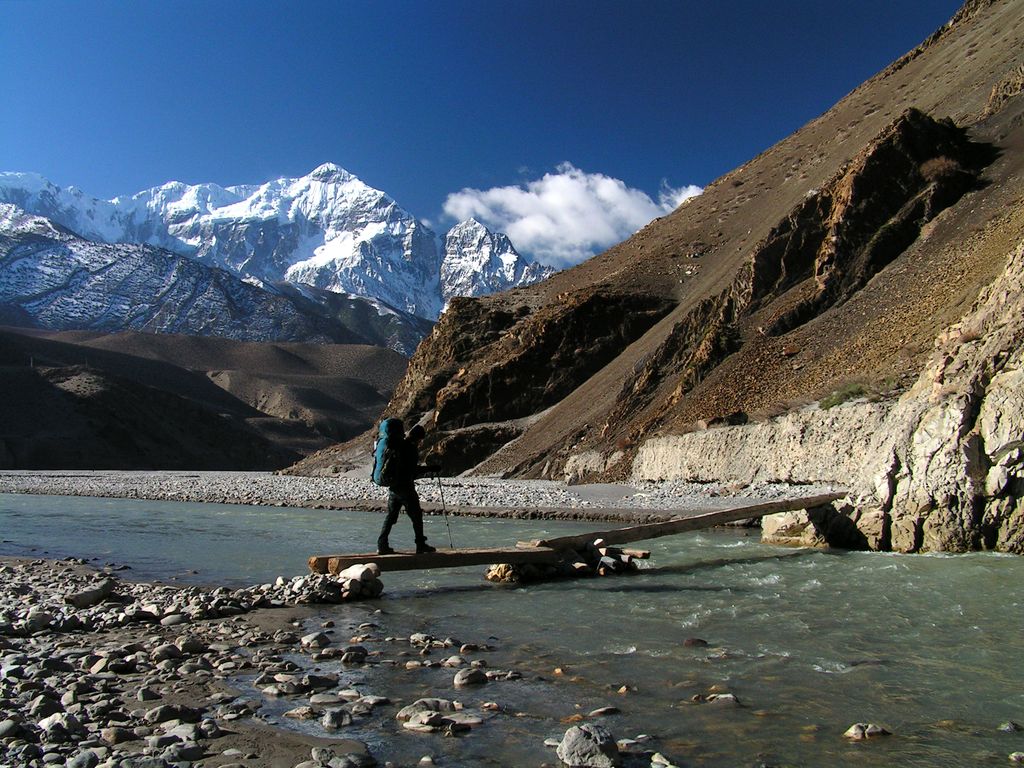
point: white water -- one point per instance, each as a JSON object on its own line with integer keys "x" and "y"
{"x": 810, "y": 641}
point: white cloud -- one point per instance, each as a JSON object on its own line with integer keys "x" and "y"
{"x": 565, "y": 217}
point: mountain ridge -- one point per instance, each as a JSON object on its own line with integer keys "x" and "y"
{"x": 327, "y": 229}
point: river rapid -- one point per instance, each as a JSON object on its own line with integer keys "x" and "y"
{"x": 808, "y": 641}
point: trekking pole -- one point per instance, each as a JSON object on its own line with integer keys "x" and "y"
{"x": 444, "y": 510}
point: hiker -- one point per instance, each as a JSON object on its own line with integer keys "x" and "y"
{"x": 403, "y": 471}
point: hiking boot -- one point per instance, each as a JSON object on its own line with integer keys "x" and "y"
{"x": 423, "y": 548}
{"x": 384, "y": 549}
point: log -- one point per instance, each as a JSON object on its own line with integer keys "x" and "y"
{"x": 442, "y": 558}
{"x": 682, "y": 524}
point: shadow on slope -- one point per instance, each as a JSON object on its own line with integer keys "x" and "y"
{"x": 209, "y": 402}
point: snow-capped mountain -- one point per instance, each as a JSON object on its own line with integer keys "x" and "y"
{"x": 477, "y": 261}
{"x": 51, "y": 278}
{"x": 327, "y": 229}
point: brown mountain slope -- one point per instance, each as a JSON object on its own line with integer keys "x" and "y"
{"x": 134, "y": 400}
{"x": 839, "y": 253}
{"x": 334, "y": 389}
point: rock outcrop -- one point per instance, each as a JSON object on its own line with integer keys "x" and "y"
{"x": 939, "y": 469}
{"x": 484, "y": 364}
{"x": 799, "y": 447}
{"x": 948, "y": 468}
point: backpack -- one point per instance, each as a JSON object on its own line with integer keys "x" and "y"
{"x": 385, "y": 447}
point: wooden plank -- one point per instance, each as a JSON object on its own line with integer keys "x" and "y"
{"x": 683, "y": 524}
{"x": 443, "y": 558}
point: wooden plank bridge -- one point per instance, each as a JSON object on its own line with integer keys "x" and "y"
{"x": 551, "y": 550}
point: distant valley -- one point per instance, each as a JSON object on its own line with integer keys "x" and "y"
{"x": 85, "y": 400}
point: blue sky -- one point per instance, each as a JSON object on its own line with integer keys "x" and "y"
{"x": 426, "y": 99}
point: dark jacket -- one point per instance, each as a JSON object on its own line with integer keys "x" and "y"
{"x": 405, "y": 467}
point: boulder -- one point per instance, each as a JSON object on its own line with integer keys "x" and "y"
{"x": 427, "y": 705}
{"x": 471, "y": 676}
{"x": 90, "y": 597}
{"x": 588, "y": 746}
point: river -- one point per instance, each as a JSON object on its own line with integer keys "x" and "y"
{"x": 810, "y": 642}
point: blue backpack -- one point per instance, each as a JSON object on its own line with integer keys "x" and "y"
{"x": 389, "y": 434}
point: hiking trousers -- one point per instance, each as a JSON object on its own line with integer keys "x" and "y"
{"x": 398, "y": 498}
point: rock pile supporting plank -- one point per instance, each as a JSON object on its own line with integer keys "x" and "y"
{"x": 442, "y": 558}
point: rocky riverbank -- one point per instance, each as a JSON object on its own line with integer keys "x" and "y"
{"x": 95, "y": 670}
{"x": 485, "y": 497}
{"x": 100, "y": 672}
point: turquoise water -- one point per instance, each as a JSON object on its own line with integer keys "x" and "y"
{"x": 810, "y": 642}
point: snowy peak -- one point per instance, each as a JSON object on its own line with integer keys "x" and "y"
{"x": 329, "y": 172}
{"x": 14, "y": 221}
{"x": 478, "y": 261}
{"x": 327, "y": 229}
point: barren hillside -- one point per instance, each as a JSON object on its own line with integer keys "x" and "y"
{"x": 837, "y": 255}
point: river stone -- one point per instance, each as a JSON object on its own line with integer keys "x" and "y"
{"x": 10, "y": 729}
{"x": 166, "y": 712}
{"x": 325, "y": 699}
{"x": 90, "y": 597}
{"x": 723, "y": 698}
{"x": 166, "y": 651}
{"x": 426, "y": 722}
{"x": 117, "y": 735}
{"x": 588, "y": 746}
{"x": 334, "y": 719}
{"x": 859, "y": 731}
{"x": 302, "y": 713}
{"x": 178, "y": 753}
{"x": 354, "y": 654}
{"x": 468, "y": 677}
{"x": 174, "y": 620}
{"x": 318, "y": 682}
{"x": 84, "y": 759}
{"x": 366, "y": 572}
{"x": 44, "y": 706}
{"x": 59, "y": 723}
{"x": 325, "y": 756}
{"x": 37, "y": 620}
{"x": 186, "y": 732}
{"x": 464, "y": 718}
{"x": 315, "y": 640}
{"x": 162, "y": 741}
{"x": 427, "y": 705}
